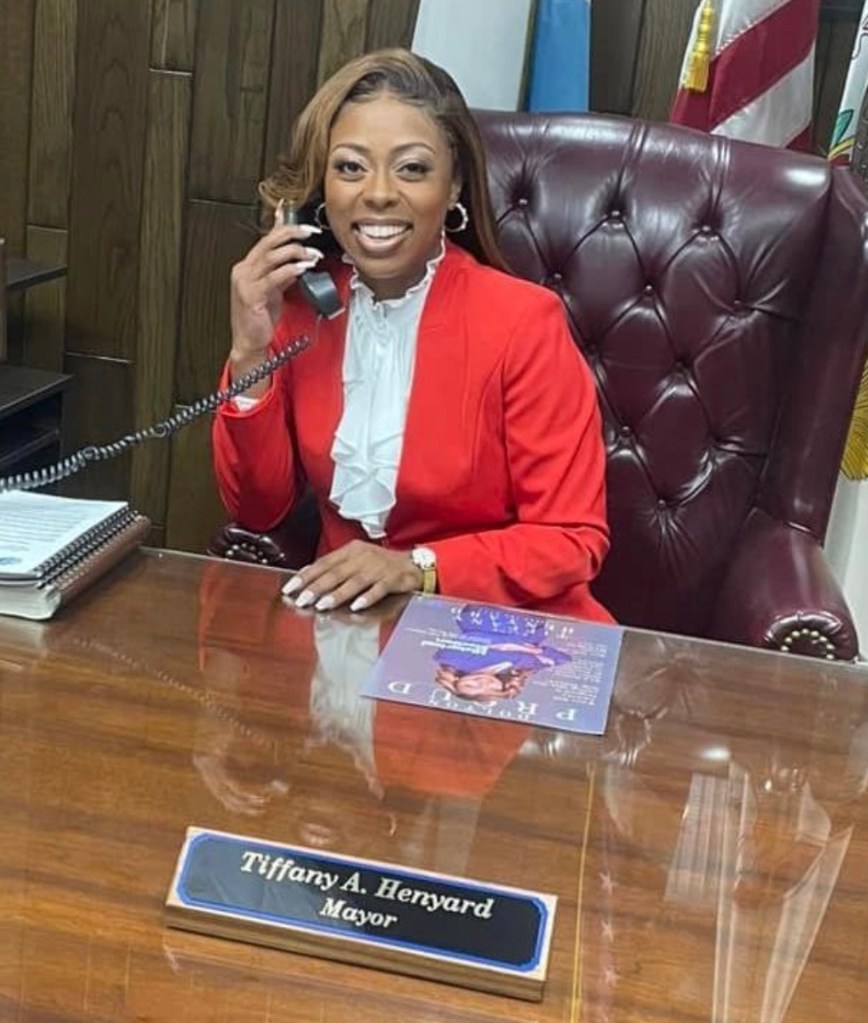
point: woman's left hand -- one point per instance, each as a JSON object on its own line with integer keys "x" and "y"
{"x": 359, "y": 573}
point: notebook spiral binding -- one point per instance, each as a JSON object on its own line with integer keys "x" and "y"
{"x": 71, "y": 561}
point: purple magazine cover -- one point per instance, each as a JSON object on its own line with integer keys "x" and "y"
{"x": 500, "y": 662}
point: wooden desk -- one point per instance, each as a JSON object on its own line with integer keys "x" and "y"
{"x": 710, "y": 852}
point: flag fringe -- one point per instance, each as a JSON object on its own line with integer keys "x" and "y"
{"x": 855, "y": 462}
{"x": 698, "y": 63}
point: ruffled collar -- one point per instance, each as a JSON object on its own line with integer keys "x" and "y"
{"x": 377, "y": 375}
{"x": 359, "y": 288}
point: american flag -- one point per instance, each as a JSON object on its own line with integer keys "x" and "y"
{"x": 761, "y": 72}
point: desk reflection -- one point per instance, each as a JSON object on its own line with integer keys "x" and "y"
{"x": 695, "y": 826}
{"x": 410, "y": 779}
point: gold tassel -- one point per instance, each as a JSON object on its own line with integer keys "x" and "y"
{"x": 696, "y": 72}
{"x": 855, "y": 463}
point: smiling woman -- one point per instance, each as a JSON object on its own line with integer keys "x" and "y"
{"x": 414, "y": 84}
{"x": 445, "y": 420}
{"x": 389, "y": 182}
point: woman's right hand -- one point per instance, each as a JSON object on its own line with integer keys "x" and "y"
{"x": 258, "y": 282}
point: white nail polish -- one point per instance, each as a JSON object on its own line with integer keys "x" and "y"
{"x": 303, "y": 265}
{"x": 310, "y": 229}
{"x": 313, "y": 254}
{"x": 359, "y": 604}
{"x": 295, "y": 583}
{"x": 325, "y": 603}
{"x": 305, "y": 599}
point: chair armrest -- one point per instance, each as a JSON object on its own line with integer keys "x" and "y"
{"x": 291, "y": 544}
{"x": 780, "y": 593}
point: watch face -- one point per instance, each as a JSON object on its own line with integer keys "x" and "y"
{"x": 424, "y": 558}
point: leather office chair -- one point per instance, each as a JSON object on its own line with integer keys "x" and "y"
{"x": 719, "y": 293}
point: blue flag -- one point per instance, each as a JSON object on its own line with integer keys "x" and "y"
{"x": 560, "y": 56}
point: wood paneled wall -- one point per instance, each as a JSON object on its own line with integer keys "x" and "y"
{"x": 132, "y": 136}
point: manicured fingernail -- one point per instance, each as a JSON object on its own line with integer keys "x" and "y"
{"x": 312, "y": 253}
{"x": 325, "y": 603}
{"x": 359, "y": 604}
{"x": 310, "y": 229}
{"x": 278, "y": 212}
{"x": 303, "y": 265}
{"x": 295, "y": 583}
{"x": 305, "y": 598}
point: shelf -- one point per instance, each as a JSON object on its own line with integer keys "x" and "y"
{"x": 21, "y": 387}
{"x": 23, "y": 273}
{"x": 31, "y": 417}
{"x": 25, "y": 444}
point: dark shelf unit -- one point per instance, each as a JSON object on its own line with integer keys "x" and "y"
{"x": 31, "y": 416}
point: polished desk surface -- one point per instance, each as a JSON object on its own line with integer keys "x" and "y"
{"x": 710, "y": 852}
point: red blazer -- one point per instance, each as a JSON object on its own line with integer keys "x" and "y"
{"x": 502, "y": 467}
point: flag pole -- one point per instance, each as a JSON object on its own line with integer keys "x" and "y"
{"x": 528, "y": 55}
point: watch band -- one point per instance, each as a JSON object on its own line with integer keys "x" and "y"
{"x": 426, "y": 561}
{"x": 429, "y": 580}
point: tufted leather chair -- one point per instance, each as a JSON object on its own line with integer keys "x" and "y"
{"x": 719, "y": 292}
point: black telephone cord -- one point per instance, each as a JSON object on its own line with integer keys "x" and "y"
{"x": 100, "y": 452}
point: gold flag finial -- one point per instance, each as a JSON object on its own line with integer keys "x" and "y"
{"x": 696, "y": 72}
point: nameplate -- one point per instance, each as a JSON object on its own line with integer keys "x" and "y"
{"x": 464, "y": 932}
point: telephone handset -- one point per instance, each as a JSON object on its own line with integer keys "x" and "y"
{"x": 316, "y": 285}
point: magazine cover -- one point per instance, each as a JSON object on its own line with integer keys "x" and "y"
{"x": 499, "y": 662}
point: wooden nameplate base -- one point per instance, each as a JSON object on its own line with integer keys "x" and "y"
{"x": 359, "y": 911}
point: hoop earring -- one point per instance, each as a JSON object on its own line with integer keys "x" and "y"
{"x": 465, "y": 219}
{"x": 318, "y": 218}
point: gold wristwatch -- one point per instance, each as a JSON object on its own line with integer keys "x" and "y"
{"x": 426, "y": 561}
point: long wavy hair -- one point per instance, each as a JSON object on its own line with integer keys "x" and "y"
{"x": 413, "y": 79}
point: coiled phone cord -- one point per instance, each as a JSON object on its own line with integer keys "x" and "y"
{"x": 100, "y": 452}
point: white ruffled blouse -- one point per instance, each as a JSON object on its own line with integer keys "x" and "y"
{"x": 377, "y": 375}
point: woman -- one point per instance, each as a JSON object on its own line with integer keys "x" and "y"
{"x": 445, "y": 421}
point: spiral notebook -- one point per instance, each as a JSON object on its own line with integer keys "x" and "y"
{"x": 51, "y": 548}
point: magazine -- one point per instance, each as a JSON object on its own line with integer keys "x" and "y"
{"x": 499, "y": 662}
